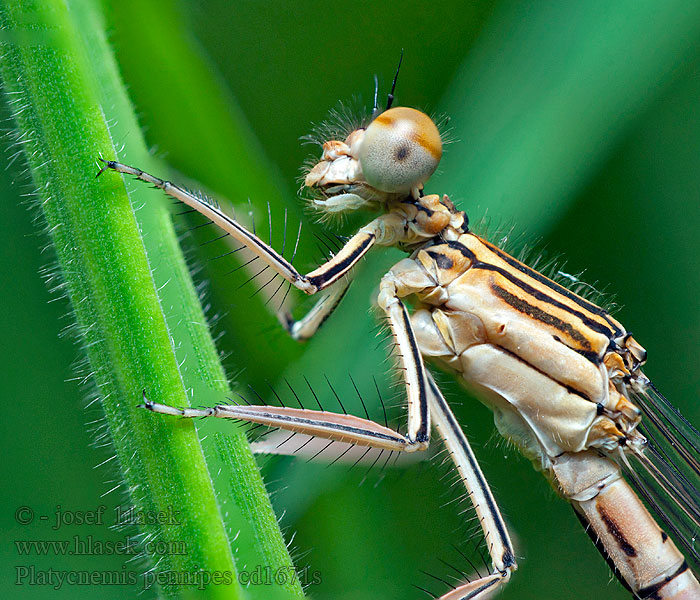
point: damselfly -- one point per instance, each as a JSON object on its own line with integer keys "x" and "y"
{"x": 562, "y": 376}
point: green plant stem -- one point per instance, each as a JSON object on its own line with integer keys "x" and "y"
{"x": 65, "y": 92}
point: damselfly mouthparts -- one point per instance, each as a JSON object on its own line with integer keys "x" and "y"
{"x": 562, "y": 376}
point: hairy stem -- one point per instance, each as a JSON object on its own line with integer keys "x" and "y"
{"x": 136, "y": 310}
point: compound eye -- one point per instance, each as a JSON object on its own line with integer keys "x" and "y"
{"x": 400, "y": 150}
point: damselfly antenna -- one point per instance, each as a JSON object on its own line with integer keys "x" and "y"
{"x": 390, "y": 97}
{"x": 375, "y": 105}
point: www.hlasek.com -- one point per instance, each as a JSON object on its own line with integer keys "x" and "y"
{"x": 90, "y": 545}
{"x": 262, "y": 575}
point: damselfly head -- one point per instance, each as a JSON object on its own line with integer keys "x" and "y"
{"x": 400, "y": 150}
{"x": 389, "y": 159}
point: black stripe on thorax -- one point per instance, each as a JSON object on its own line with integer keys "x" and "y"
{"x": 535, "y": 293}
{"x": 540, "y": 315}
{"x": 529, "y": 271}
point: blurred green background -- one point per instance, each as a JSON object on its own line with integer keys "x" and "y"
{"x": 576, "y": 122}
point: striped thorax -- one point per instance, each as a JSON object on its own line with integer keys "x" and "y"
{"x": 549, "y": 363}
